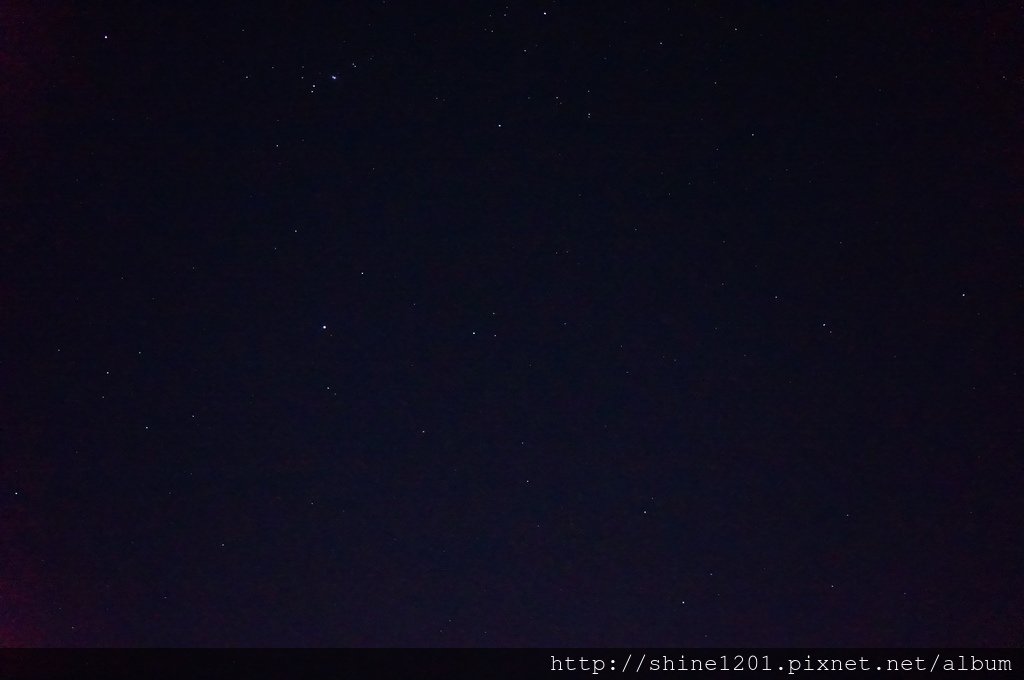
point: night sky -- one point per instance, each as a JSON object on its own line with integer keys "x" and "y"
{"x": 527, "y": 324}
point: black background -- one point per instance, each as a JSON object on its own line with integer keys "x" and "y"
{"x": 646, "y": 323}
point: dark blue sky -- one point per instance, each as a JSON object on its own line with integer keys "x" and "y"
{"x": 538, "y": 324}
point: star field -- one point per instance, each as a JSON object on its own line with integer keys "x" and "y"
{"x": 526, "y": 324}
